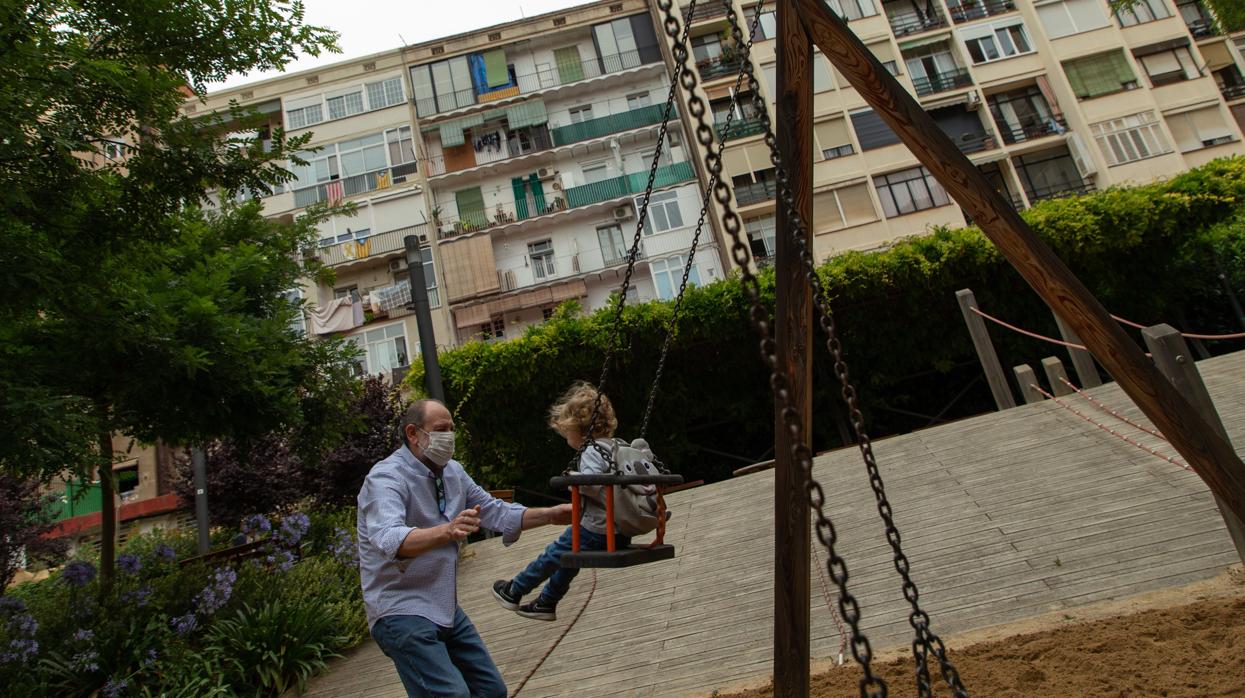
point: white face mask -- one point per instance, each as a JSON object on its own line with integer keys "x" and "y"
{"x": 440, "y": 448}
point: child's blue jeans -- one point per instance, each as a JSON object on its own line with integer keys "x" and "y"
{"x": 547, "y": 566}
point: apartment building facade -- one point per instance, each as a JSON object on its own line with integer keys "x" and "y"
{"x": 518, "y": 154}
{"x": 1048, "y": 98}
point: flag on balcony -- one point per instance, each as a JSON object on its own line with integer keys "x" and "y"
{"x": 383, "y": 180}
{"x": 333, "y": 192}
{"x": 357, "y": 249}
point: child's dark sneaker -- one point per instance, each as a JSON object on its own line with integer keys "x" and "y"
{"x": 507, "y": 599}
{"x": 539, "y": 610}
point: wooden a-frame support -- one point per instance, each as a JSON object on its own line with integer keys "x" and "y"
{"x": 802, "y": 24}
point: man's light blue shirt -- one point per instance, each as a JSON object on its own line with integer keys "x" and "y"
{"x": 400, "y": 495}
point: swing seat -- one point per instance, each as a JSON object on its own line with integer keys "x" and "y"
{"x": 637, "y": 554}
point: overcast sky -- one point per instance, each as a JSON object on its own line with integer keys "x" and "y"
{"x": 371, "y": 26}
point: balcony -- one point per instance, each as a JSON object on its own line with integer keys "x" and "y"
{"x": 1170, "y": 77}
{"x": 371, "y": 246}
{"x": 941, "y": 82}
{"x": 574, "y": 197}
{"x": 976, "y": 9}
{"x": 718, "y": 67}
{"x": 532, "y": 139}
{"x": 339, "y": 189}
{"x": 755, "y": 193}
{"x": 561, "y": 74}
{"x": 974, "y": 142}
{"x": 606, "y": 125}
{"x": 615, "y": 258}
{"x": 1032, "y": 130}
{"x": 1072, "y": 188}
{"x": 633, "y": 183}
{"x": 1202, "y": 28}
{"x": 1231, "y": 92}
{"x": 909, "y": 22}
{"x": 705, "y": 12}
{"x": 740, "y": 129}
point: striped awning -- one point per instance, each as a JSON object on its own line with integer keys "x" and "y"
{"x": 452, "y": 131}
{"x": 527, "y": 113}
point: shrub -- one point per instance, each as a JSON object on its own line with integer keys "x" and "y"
{"x": 24, "y": 517}
{"x": 274, "y": 646}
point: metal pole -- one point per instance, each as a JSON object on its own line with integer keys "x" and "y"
{"x": 423, "y": 318}
{"x": 198, "y": 461}
{"x": 794, "y": 343}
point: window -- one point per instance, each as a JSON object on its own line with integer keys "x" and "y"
{"x": 300, "y": 113}
{"x": 442, "y": 86}
{"x": 908, "y": 191}
{"x": 668, "y": 275}
{"x": 546, "y": 313}
{"x": 822, "y": 81}
{"x": 1200, "y": 128}
{"x": 430, "y": 277}
{"x": 892, "y": 67}
{"x": 1048, "y": 173}
{"x": 352, "y": 291}
{"x": 616, "y": 41}
{"x": 996, "y": 42}
{"x": 1167, "y": 62}
{"x": 1130, "y": 138}
{"x": 541, "y": 254}
{"x": 761, "y": 238}
{"x": 359, "y": 155}
{"x": 663, "y": 212}
{"x": 298, "y": 323}
{"x": 596, "y": 172}
{"x": 831, "y": 139}
{"x": 114, "y": 150}
{"x": 343, "y": 105}
{"x": 769, "y": 71}
{"x": 1142, "y": 11}
{"x": 401, "y": 147}
{"x": 935, "y": 69}
{"x": 614, "y": 247}
{"x": 706, "y": 48}
{"x": 853, "y": 9}
{"x": 842, "y": 207}
{"x": 495, "y": 328}
{"x": 1100, "y": 74}
{"x": 767, "y": 28}
{"x": 639, "y": 100}
{"x": 385, "y": 93}
{"x": 663, "y": 158}
{"x": 1072, "y": 17}
{"x": 581, "y": 113}
{"x": 871, "y": 131}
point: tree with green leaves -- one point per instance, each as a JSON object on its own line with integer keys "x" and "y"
{"x": 128, "y": 302}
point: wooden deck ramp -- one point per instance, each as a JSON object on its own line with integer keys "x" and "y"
{"x": 1004, "y": 516}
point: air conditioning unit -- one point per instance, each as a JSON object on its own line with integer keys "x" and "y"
{"x": 622, "y": 213}
{"x": 972, "y": 100}
{"x": 557, "y": 185}
{"x": 397, "y": 264}
{"x": 545, "y": 173}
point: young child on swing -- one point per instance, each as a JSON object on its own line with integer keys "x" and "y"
{"x": 571, "y": 417}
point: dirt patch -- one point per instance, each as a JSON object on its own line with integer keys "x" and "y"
{"x": 1162, "y": 645}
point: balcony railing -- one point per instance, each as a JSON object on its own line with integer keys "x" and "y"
{"x": 584, "y": 195}
{"x": 614, "y": 123}
{"x": 562, "y": 73}
{"x": 714, "y": 68}
{"x": 1034, "y": 129}
{"x": 740, "y": 129}
{"x": 1168, "y": 78}
{"x": 941, "y": 82}
{"x": 709, "y": 10}
{"x": 1075, "y": 187}
{"x": 976, "y": 9}
{"x": 905, "y": 24}
{"x": 356, "y": 184}
{"x": 755, "y": 193}
{"x": 537, "y": 137}
{"x": 1202, "y": 28}
{"x": 614, "y": 258}
{"x": 1233, "y": 91}
{"x": 632, "y": 183}
{"x": 975, "y": 142}
{"x": 372, "y": 246}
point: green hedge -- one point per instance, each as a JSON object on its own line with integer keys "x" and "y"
{"x": 1149, "y": 253}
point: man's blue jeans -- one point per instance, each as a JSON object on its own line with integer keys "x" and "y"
{"x": 439, "y": 662}
{"x": 547, "y": 565}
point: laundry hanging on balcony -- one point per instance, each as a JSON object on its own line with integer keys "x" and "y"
{"x": 338, "y": 315}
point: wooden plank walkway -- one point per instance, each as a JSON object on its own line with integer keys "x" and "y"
{"x": 1004, "y": 516}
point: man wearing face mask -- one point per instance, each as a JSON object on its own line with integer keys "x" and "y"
{"x": 414, "y": 508}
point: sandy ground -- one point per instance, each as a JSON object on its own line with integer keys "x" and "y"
{"x": 1185, "y": 641}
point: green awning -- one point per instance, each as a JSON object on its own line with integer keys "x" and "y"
{"x": 452, "y": 131}
{"x": 918, "y": 43}
{"x": 528, "y": 113}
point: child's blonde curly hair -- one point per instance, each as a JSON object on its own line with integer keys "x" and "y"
{"x": 572, "y": 413}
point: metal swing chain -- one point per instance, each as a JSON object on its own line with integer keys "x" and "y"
{"x": 871, "y": 686}
{"x": 925, "y": 640}
{"x": 631, "y": 259}
{"x": 700, "y": 223}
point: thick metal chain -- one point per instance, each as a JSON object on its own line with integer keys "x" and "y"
{"x": 871, "y": 685}
{"x": 633, "y": 254}
{"x": 700, "y": 224}
{"x": 925, "y": 639}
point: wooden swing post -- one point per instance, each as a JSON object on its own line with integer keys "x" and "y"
{"x": 794, "y": 341}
